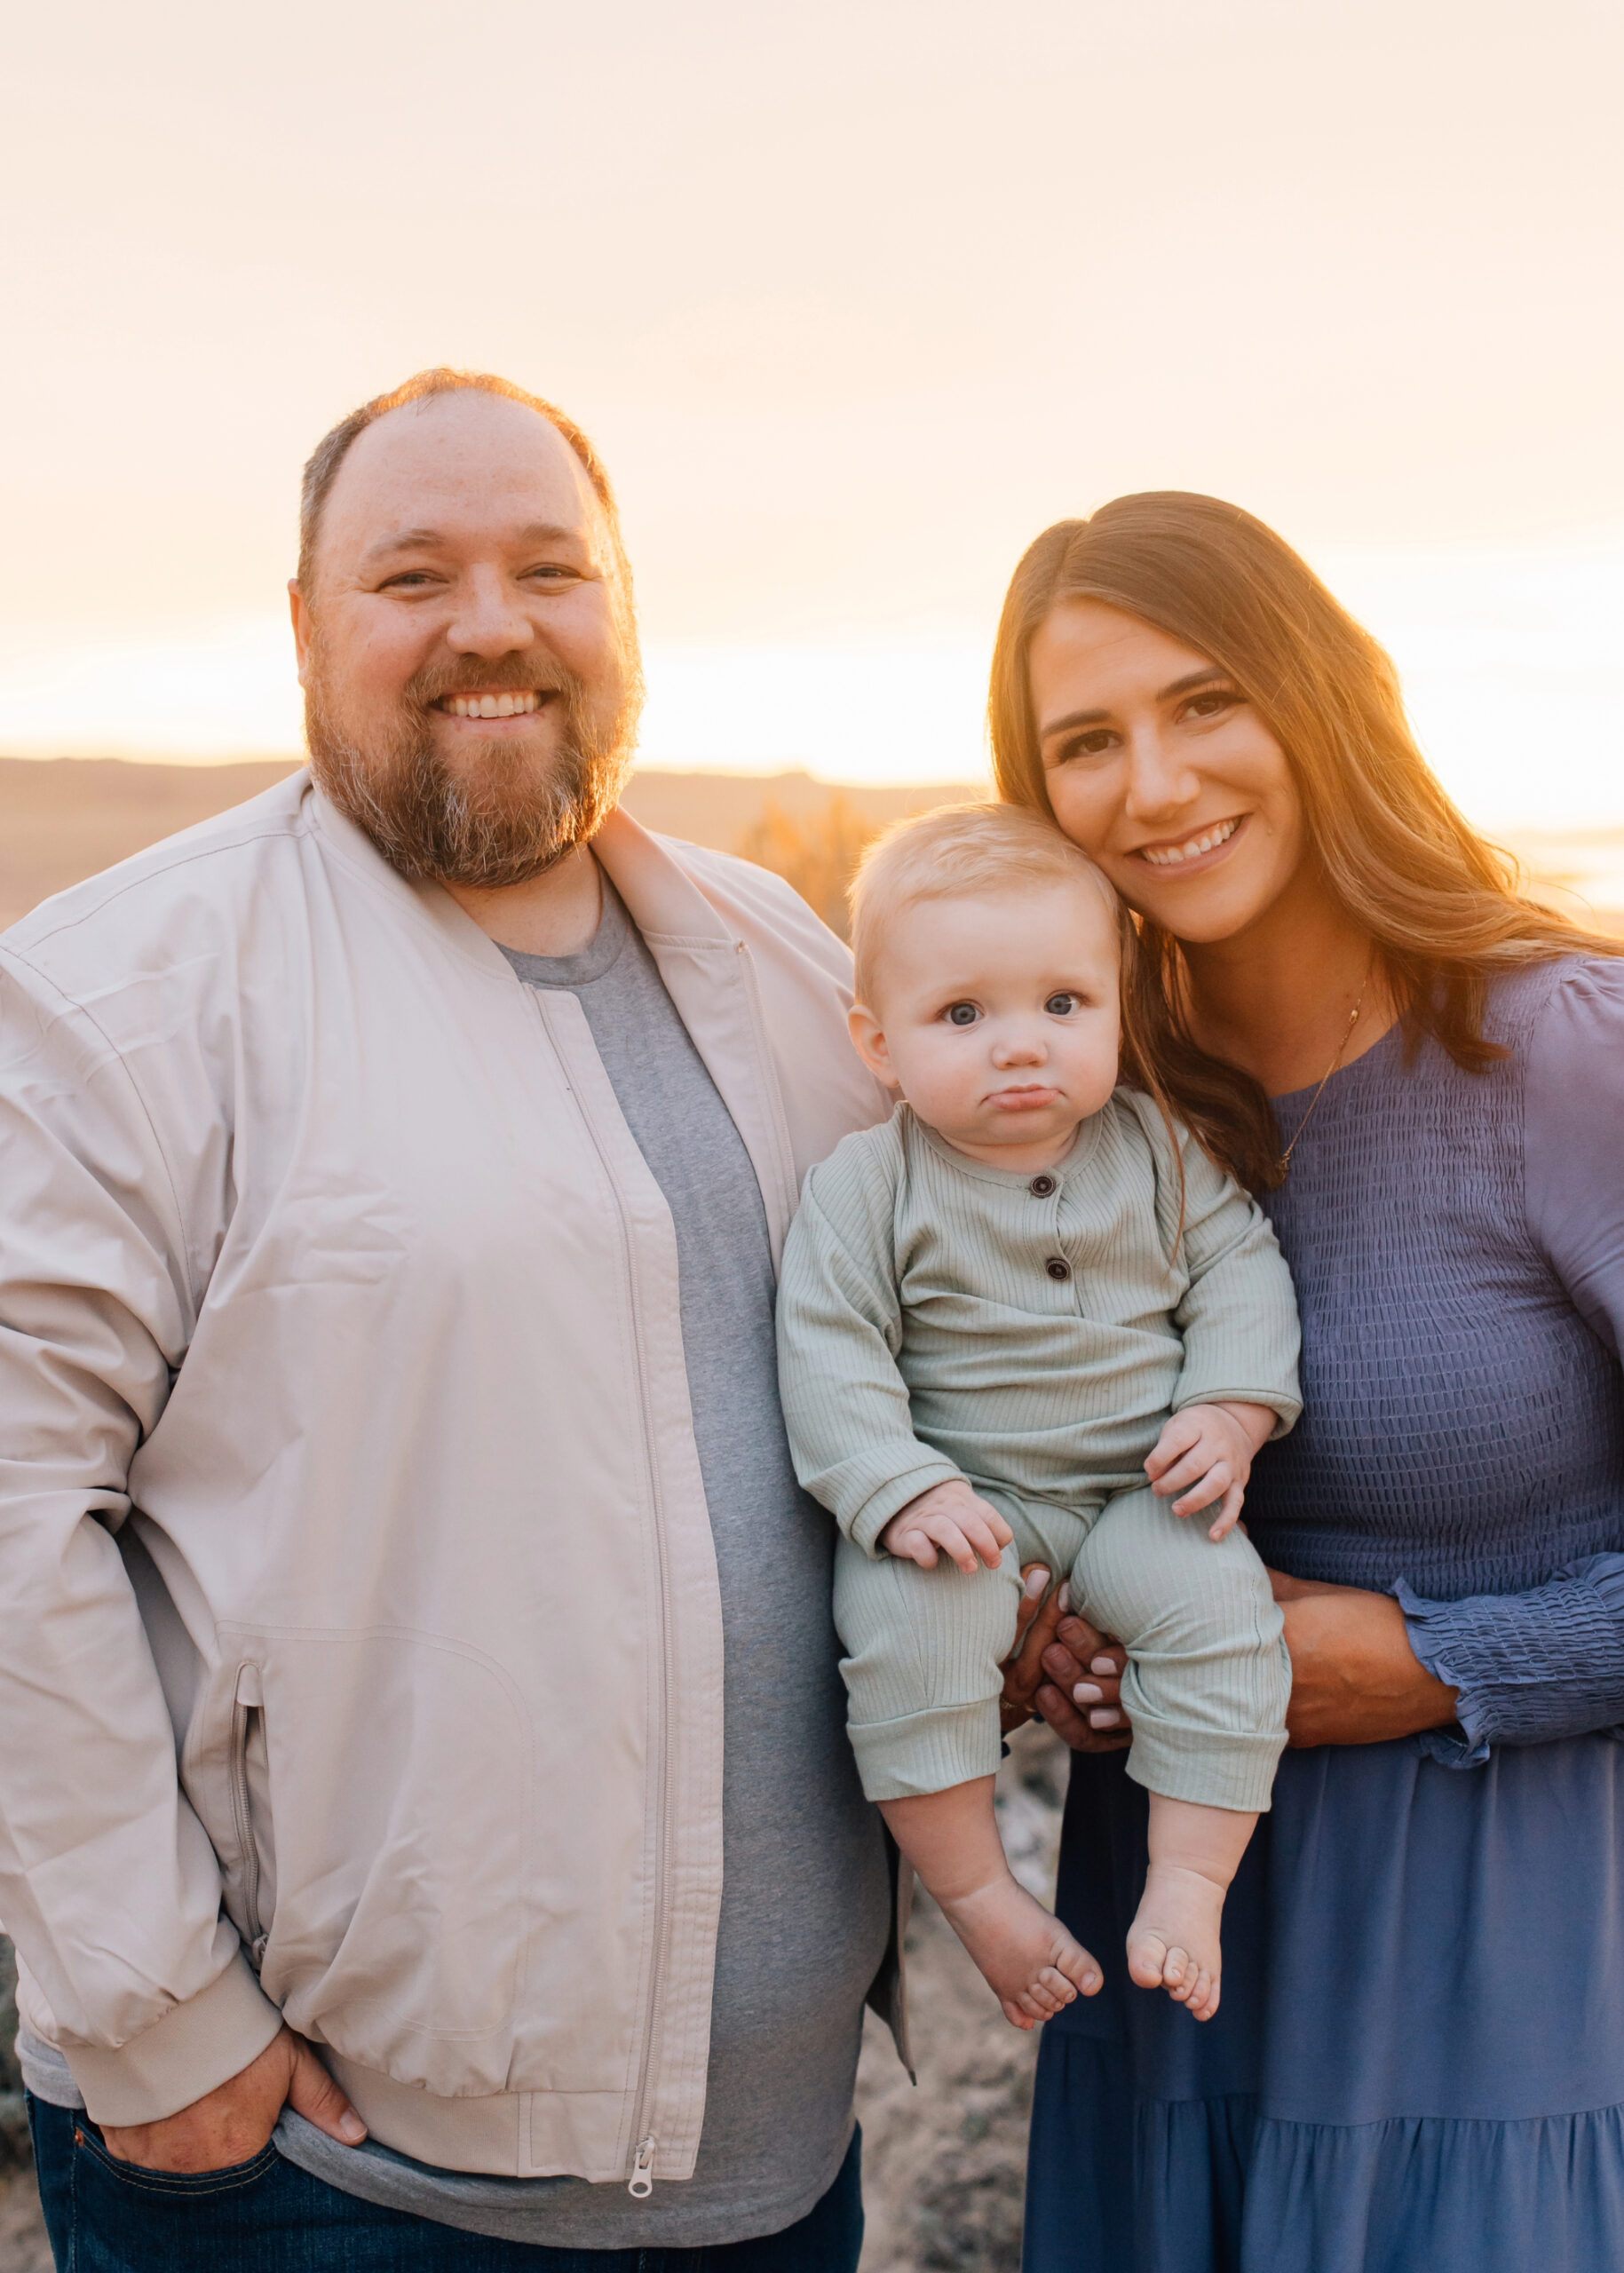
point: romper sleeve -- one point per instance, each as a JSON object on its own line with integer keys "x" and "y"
{"x": 1536, "y": 1666}
{"x": 839, "y": 1329}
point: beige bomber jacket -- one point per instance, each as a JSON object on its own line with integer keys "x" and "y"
{"x": 361, "y": 1651}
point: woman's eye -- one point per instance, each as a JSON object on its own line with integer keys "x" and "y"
{"x": 1099, "y": 741}
{"x": 961, "y": 1014}
{"x": 1061, "y": 1006}
{"x": 1212, "y": 702}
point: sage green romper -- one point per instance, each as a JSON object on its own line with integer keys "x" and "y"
{"x": 1031, "y": 1333}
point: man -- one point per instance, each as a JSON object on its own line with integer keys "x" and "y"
{"x": 415, "y": 1644}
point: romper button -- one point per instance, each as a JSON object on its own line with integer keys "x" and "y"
{"x": 1057, "y": 1267}
{"x": 1041, "y": 1186}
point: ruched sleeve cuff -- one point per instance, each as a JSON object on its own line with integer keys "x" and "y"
{"x": 195, "y": 2047}
{"x": 1530, "y": 1668}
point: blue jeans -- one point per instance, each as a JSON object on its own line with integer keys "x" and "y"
{"x": 268, "y": 2216}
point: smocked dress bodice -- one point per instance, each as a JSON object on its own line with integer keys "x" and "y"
{"x": 1418, "y": 2066}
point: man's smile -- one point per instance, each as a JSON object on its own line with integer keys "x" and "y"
{"x": 508, "y": 704}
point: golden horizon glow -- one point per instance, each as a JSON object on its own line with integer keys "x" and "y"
{"x": 853, "y": 301}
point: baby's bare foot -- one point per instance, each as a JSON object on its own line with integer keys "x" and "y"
{"x": 1174, "y": 1941}
{"x": 1031, "y": 1964}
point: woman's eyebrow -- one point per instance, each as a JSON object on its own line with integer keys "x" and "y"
{"x": 1206, "y": 676}
{"x": 1191, "y": 681}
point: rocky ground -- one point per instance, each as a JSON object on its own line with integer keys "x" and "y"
{"x": 943, "y": 2160}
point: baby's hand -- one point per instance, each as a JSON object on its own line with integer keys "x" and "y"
{"x": 1205, "y": 1454}
{"x": 950, "y": 1518}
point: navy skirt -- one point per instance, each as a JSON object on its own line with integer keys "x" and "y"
{"x": 1418, "y": 2066}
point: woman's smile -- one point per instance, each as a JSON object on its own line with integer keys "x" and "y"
{"x": 1193, "y": 854}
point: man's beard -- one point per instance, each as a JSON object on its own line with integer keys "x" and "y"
{"x": 506, "y": 814}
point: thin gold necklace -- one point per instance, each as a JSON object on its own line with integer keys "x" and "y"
{"x": 1342, "y": 1052}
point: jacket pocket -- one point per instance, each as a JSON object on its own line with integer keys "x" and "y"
{"x": 246, "y": 1717}
{"x": 397, "y": 1800}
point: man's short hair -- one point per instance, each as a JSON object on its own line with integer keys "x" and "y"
{"x": 321, "y": 467}
{"x": 954, "y": 854}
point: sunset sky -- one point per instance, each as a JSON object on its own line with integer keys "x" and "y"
{"x": 854, "y": 299}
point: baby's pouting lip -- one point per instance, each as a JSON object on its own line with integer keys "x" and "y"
{"x": 1025, "y": 1097}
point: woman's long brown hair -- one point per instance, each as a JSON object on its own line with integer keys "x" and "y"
{"x": 1442, "y": 906}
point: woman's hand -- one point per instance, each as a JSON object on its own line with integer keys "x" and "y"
{"x": 1066, "y": 1669}
{"x": 1354, "y": 1677}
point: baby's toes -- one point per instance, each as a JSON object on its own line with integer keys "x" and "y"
{"x": 1013, "y": 2014}
{"x": 1204, "y": 2001}
{"x": 1054, "y": 1983}
{"x": 1178, "y": 1974}
{"x": 1147, "y": 1961}
{"x": 1080, "y": 1969}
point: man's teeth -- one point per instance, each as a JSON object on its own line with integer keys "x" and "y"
{"x": 1168, "y": 856}
{"x": 492, "y": 706}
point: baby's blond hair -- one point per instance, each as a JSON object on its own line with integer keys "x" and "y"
{"x": 956, "y": 853}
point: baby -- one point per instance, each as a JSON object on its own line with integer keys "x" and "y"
{"x": 1001, "y": 1312}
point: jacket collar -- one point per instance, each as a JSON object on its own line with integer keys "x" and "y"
{"x": 704, "y": 963}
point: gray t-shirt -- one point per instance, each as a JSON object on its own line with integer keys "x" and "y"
{"x": 804, "y": 1902}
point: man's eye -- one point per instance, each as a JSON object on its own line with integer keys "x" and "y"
{"x": 962, "y": 1014}
{"x": 1061, "y": 1006}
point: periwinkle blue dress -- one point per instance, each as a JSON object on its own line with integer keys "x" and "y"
{"x": 1418, "y": 2066}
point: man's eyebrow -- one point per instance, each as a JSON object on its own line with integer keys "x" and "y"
{"x": 1207, "y": 676}
{"x": 426, "y": 540}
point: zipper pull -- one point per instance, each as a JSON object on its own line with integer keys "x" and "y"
{"x": 641, "y": 2184}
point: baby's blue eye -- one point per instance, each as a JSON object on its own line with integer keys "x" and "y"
{"x": 962, "y": 1014}
{"x": 1061, "y": 1006}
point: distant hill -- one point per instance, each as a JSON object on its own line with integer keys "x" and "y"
{"x": 65, "y": 818}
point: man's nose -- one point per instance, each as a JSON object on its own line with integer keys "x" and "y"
{"x": 1160, "y": 780}
{"x": 487, "y": 619}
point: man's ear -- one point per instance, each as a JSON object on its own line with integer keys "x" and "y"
{"x": 869, "y": 1043}
{"x": 299, "y": 608}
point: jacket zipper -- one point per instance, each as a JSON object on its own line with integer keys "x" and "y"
{"x": 641, "y": 2183}
{"x": 249, "y": 1700}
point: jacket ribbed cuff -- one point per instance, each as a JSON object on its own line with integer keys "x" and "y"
{"x": 195, "y": 2047}
{"x": 876, "y": 1511}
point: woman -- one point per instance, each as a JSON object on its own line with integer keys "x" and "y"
{"x": 1419, "y": 2060}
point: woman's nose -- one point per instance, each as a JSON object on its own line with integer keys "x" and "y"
{"x": 1160, "y": 780}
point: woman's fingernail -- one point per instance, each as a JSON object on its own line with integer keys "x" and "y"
{"x": 1086, "y": 1693}
{"x": 1036, "y": 1582}
{"x": 1065, "y": 1594}
{"x": 1101, "y": 1665}
{"x": 351, "y": 2128}
{"x": 1107, "y": 1717}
